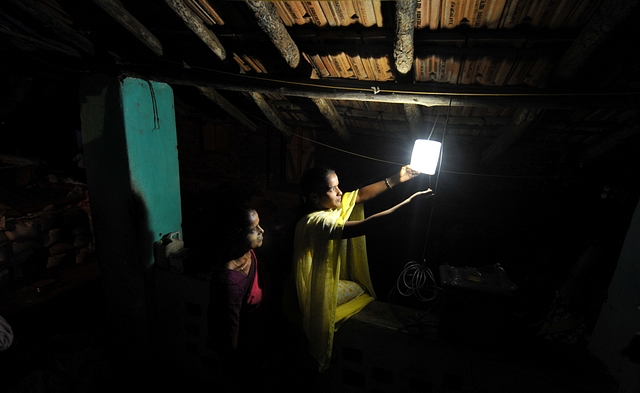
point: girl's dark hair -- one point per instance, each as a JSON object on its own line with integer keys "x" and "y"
{"x": 234, "y": 219}
{"x": 313, "y": 181}
{"x": 228, "y": 226}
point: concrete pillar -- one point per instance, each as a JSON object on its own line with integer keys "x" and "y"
{"x": 131, "y": 159}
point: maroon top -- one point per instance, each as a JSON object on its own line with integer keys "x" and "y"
{"x": 233, "y": 296}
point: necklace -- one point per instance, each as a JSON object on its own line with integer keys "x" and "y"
{"x": 239, "y": 267}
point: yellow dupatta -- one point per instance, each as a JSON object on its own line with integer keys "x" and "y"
{"x": 321, "y": 259}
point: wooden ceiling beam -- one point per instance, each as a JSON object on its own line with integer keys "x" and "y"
{"x": 39, "y": 43}
{"x": 426, "y": 94}
{"x": 60, "y": 28}
{"x": 270, "y": 113}
{"x": 373, "y": 36}
{"x": 270, "y": 22}
{"x": 459, "y": 130}
{"x": 196, "y": 25}
{"x": 403, "y": 47}
{"x": 414, "y": 117}
{"x": 593, "y": 35}
{"x": 333, "y": 117}
{"x": 475, "y": 121}
{"x": 115, "y": 9}
{"x": 227, "y": 106}
{"x": 374, "y": 51}
{"x": 608, "y": 143}
{"x": 522, "y": 121}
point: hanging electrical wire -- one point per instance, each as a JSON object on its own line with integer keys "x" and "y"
{"x": 444, "y": 130}
{"x": 417, "y": 279}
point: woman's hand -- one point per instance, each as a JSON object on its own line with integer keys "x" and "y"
{"x": 407, "y": 174}
{"x": 422, "y": 195}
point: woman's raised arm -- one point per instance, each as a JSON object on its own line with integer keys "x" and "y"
{"x": 371, "y": 191}
{"x": 382, "y": 220}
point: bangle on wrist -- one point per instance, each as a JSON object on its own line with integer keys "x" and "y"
{"x": 386, "y": 181}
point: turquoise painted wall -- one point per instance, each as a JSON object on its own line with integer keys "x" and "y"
{"x": 152, "y": 149}
{"x": 131, "y": 159}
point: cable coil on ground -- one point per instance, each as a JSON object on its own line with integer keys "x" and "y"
{"x": 417, "y": 280}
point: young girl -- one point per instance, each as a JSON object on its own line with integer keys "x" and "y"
{"x": 238, "y": 289}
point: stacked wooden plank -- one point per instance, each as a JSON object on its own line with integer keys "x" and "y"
{"x": 486, "y": 70}
{"x": 330, "y": 13}
{"x": 205, "y": 11}
{"x": 343, "y": 65}
{"x": 435, "y": 68}
{"x": 445, "y": 14}
{"x": 249, "y": 63}
{"x": 551, "y": 14}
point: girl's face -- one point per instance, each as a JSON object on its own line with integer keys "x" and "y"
{"x": 332, "y": 197}
{"x": 254, "y": 231}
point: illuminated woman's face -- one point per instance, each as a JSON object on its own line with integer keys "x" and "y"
{"x": 332, "y": 197}
{"x": 254, "y": 231}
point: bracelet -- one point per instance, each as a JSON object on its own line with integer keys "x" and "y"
{"x": 386, "y": 181}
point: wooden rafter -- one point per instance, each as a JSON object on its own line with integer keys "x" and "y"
{"x": 609, "y": 143}
{"x": 510, "y": 133}
{"x": 63, "y": 30}
{"x": 198, "y": 27}
{"x": 329, "y": 112}
{"x": 414, "y": 117}
{"x": 593, "y": 35}
{"x": 402, "y": 94}
{"x": 129, "y": 22}
{"x": 270, "y": 113}
{"x": 270, "y": 22}
{"x": 227, "y": 106}
{"x": 41, "y": 43}
{"x": 405, "y": 20}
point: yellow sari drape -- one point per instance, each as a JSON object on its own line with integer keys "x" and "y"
{"x": 321, "y": 258}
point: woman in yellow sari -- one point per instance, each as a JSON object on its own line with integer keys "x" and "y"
{"x": 330, "y": 266}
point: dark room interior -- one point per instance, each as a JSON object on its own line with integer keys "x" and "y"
{"x": 530, "y": 242}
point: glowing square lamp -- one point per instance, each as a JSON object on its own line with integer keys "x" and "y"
{"x": 424, "y": 158}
